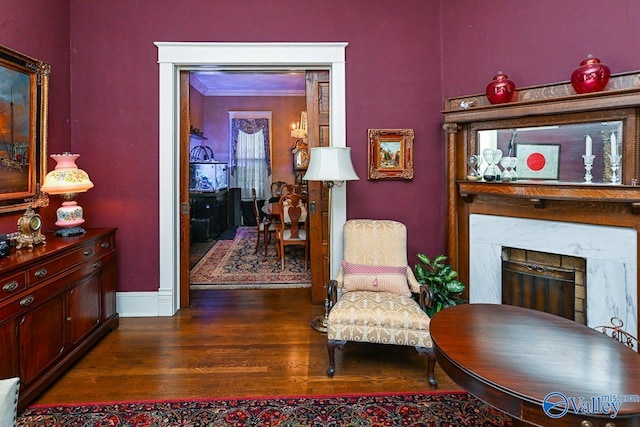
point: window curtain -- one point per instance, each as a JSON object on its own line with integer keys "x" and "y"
{"x": 250, "y": 160}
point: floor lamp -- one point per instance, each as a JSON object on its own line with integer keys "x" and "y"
{"x": 332, "y": 166}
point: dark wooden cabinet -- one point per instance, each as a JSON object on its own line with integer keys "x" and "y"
{"x": 57, "y": 300}
{"x": 209, "y": 214}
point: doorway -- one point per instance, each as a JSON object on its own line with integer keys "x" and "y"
{"x": 220, "y": 104}
{"x": 175, "y": 57}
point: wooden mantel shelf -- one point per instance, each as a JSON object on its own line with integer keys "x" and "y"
{"x": 537, "y": 192}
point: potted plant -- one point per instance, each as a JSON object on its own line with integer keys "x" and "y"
{"x": 442, "y": 279}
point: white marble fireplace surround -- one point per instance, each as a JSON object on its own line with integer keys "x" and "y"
{"x": 610, "y": 253}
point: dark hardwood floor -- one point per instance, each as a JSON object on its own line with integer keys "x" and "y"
{"x": 235, "y": 343}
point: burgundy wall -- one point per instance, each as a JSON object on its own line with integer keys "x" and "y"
{"x": 40, "y": 29}
{"x": 534, "y": 42}
{"x": 392, "y": 81}
{"x": 399, "y": 69}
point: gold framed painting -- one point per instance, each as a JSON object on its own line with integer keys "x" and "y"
{"x": 24, "y": 87}
{"x": 390, "y": 154}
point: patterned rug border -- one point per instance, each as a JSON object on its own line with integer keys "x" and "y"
{"x": 421, "y": 409}
{"x": 252, "y": 286}
{"x": 252, "y": 398}
{"x": 232, "y": 264}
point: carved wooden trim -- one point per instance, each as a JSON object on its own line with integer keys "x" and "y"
{"x": 591, "y": 193}
{"x": 450, "y": 128}
{"x": 550, "y": 92}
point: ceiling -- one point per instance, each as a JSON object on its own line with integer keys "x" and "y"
{"x": 242, "y": 83}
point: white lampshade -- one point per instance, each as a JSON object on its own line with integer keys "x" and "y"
{"x": 330, "y": 164}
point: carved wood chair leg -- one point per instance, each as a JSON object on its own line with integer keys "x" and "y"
{"x": 331, "y": 346}
{"x": 257, "y": 242}
{"x": 431, "y": 364}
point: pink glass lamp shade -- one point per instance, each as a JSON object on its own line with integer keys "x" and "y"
{"x": 67, "y": 180}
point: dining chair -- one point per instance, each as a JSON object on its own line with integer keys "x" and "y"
{"x": 276, "y": 191}
{"x": 293, "y": 228}
{"x": 290, "y": 188}
{"x": 264, "y": 226}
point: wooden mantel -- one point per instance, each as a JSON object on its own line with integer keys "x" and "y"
{"x": 578, "y": 202}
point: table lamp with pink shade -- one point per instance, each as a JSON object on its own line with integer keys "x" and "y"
{"x": 67, "y": 180}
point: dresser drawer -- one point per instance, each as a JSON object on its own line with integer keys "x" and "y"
{"x": 106, "y": 244}
{"x": 44, "y": 271}
{"x": 12, "y": 284}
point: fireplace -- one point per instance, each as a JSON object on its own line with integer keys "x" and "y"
{"x": 610, "y": 254}
{"x": 547, "y": 282}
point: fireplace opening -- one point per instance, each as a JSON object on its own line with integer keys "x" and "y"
{"x": 544, "y": 281}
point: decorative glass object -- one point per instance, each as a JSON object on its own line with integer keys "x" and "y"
{"x": 473, "y": 161}
{"x": 615, "y": 166}
{"x": 492, "y": 156}
{"x": 500, "y": 89}
{"x": 590, "y": 76}
{"x": 508, "y": 165}
{"x": 588, "y": 165}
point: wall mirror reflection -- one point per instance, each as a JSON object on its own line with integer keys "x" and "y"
{"x": 576, "y": 152}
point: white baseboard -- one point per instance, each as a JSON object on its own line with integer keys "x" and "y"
{"x": 137, "y": 304}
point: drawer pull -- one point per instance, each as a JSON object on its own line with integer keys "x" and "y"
{"x": 88, "y": 252}
{"x": 41, "y": 273}
{"x": 105, "y": 245}
{"x": 27, "y": 300}
{"x": 97, "y": 264}
{"x": 11, "y": 286}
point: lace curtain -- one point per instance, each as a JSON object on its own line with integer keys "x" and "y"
{"x": 250, "y": 161}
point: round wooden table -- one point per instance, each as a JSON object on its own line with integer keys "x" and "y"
{"x": 517, "y": 359}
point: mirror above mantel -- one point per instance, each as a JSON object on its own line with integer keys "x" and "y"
{"x": 553, "y": 153}
{"x": 551, "y": 133}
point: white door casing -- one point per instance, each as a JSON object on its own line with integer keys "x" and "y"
{"x": 176, "y": 56}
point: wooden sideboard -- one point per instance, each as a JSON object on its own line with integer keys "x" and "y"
{"x": 56, "y": 301}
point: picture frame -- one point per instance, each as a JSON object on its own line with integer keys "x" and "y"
{"x": 24, "y": 97}
{"x": 538, "y": 161}
{"x": 390, "y": 154}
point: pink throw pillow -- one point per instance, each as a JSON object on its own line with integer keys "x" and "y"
{"x": 380, "y": 278}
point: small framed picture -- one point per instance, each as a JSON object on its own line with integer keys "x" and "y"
{"x": 538, "y": 161}
{"x": 390, "y": 154}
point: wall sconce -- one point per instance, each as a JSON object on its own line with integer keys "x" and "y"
{"x": 332, "y": 166}
{"x": 299, "y": 130}
{"x": 67, "y": 180}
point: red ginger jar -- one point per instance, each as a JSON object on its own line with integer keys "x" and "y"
{"x": 501, "y": 89}
{"x": 590, "y": 76}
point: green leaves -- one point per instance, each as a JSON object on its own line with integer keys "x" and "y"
{"x": 442, "y": 279}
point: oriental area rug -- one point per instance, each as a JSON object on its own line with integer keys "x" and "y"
{"x": 421, "y": 409}
{"x": 232, "y": 264}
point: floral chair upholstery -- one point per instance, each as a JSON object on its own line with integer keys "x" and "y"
{"x": 371, "y": 299}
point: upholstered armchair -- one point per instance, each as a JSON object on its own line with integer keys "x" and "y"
{"x": 9, "y": 391}
{"x": 371, "y": 298}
